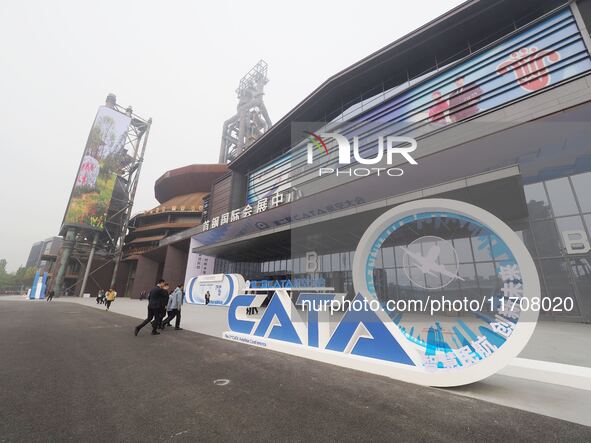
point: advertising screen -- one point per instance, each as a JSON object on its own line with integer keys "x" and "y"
{"x": 97, "y": 173}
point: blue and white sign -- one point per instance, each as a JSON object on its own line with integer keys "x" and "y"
{"x": 37, "y": 291}
{"x": 216, "y": 289}
{"x": 289, "y": 283}
{"x": 443, "y": 352}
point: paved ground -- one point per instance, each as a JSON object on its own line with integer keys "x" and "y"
{"x": 549, "y": 343}
{"x": 78, "y": 374}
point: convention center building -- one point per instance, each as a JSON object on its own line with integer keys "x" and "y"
{"x": 488, "y": 104}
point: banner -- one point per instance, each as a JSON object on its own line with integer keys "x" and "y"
{"x": 37, "y": 291}
{"x": 197, "y": 264}
{"x": 214, "y": 289}
{"x": 101, "y": 163}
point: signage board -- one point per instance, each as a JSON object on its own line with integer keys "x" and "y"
{"x": 214, "y": 289}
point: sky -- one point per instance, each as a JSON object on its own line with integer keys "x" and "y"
{"x": 178, "y": 62}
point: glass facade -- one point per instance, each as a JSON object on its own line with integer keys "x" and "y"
{"x": 551, "y": 153}
{"x": 556, "y": 207}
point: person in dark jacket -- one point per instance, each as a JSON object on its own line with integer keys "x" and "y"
{"x": 163, "y": 304}
{"x": 157, "y": 298}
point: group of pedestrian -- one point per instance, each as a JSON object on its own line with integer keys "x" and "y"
{"x": 106, "y": 298}
{"x": 163, "y": 303}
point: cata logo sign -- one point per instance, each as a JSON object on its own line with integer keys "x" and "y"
{"x": 444, "y": 351}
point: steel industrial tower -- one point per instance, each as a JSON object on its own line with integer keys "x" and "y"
{"x": 251, "y": 119}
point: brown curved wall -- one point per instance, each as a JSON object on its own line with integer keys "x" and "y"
{"x": 186, "y": 180}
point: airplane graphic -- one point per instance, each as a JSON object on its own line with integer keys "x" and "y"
{"x": 428, "y": 264}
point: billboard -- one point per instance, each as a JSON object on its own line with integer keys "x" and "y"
{"x": 545, "y": 54}
{"x": 98, "y": 170}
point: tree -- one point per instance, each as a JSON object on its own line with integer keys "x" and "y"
{"x": 24, "y": 276}
{"x": 13, "y": 280}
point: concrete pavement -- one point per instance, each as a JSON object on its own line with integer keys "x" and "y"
{"x": 73, "y": 373}
{"x": 537, "y": 382}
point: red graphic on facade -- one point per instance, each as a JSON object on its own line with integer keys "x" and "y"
{"x": 529, "y": 67}
{"x": 438, "y": 112}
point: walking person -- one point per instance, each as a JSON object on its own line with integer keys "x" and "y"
{"x": 169, "y": 313}
{"x": 175, "y": 301}
{"x": 207, "y": 296}
{"x": 164, "y": 304}
{"x": 155, "y": 299}
{"x": 50, "y": 296}
{"x": 111, "y": 296}
{"x": 99, "y": 296}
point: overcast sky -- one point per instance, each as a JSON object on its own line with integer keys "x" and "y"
{"x": 178, "y": 62}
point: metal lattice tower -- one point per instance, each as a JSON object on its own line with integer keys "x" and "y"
{"x": 251, "y": 119}
{"x": 81, "y": 244}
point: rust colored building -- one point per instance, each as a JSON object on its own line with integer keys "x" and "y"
{"x": 181, "y": 193}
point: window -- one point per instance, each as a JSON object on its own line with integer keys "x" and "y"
{"x": 336, "y": 262}
{"x": 538, "y": 205}
{"x": 326, "y": 263}
{"x": 481, "y": 248}
{"x": 388, "y": 257}
{"x": 345, "y": 263}
{"x": 399, "y": 253}
{"x": 569, "y": 224}
{"x": 402, "y": 278}
{"x": 391, "y": 282}
{"x": 547, "y": 240}
{"x": 446, "y": 255}
{"x": 582, "y": 185}
{"x": 487, "y": 278}
{"x": 463, "y": 249}
{"x": 561, "y": 197}
{"x": 557, "y": 283}
{"x": 296, "y": 265}
{"x": 468, "y": 273}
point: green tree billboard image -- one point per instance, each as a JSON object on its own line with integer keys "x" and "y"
{"x": 97, "y": 174}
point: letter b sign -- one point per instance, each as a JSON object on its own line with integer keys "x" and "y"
{"x": 576, "y": 242}
{"x": 311, "y": 262}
